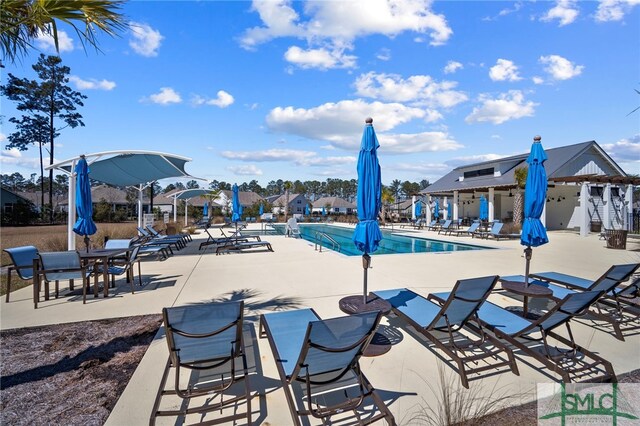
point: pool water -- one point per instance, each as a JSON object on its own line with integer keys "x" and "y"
{"x": 390, "y": 244}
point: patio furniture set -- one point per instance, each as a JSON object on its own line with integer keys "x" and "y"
{"x": 318, "y": 359}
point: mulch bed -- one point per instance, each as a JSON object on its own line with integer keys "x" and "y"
{"x": 70, "y": 374}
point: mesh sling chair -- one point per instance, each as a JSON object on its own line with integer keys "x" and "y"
{"x": 318, "y": 364}
{"x": 573, "y": 362}
{"x": 607, "y": 284}
{"x": 61, "y": 266}
{"x": 205, "y": 340}
{"x": 235, "y": 236}
{"x": 185, "y": 237}
{"x": 22, "y": 263}
{"x": 176, "y": 242}
{"x": 123, "y": 267}
{"x": 461, "y": 306}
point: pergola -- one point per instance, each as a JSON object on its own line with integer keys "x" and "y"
{"x": 186, "y": 195}
{"x": 132, "y": 168}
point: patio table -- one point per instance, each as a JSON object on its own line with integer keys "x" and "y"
{"x": 532, "y": 290}
{"x": 354, "y": 305}
{"x": 102, "y": 257}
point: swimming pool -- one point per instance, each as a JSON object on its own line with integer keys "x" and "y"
{"x": 390, "y": 244}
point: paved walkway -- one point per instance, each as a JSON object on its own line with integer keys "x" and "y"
{"x": 297, "y": 276}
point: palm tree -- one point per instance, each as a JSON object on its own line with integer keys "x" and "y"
{"x": 211, "y": 196}
{"x": 21, "y": 21}
{"x": 520, "y": 177}
{"x": 387, "y": 198}
{"x": 287, "y": 186}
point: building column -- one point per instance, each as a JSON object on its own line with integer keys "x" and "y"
{"x": 606, "y": 207}
{"x": 413, "y": 208}
{"x": 584, "y": 209}
{"x": 428, "y": 208}
{"x": 628, "y": 207}
{"x": 71, "y": 216}
{"x": 175, "y": 209}
{"x": 455, "y": 205}
{"x": 490, "y": 202}
{"x": 186, "y": 210}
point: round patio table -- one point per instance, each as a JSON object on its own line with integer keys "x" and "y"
{"x": 355, "y": 305}
{"x": 532, "y": 290}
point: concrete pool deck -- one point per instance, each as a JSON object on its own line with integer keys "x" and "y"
{"x": 295, "y": 275}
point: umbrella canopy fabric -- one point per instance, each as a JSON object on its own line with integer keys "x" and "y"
{"x": 367, "y": 234}
{"x": 534, "y": 233}
{"x": 418, "y": 209}
{"x": 484, "y": 208}
{"x": 436, "y": 209}
{"x": 84, "y": 225}
{"x": 261, "y": 212}
{"x": 205, "y": 209}
{"x": 324, "y": 212}
{"x": 306, "y": 210}
{"x": 235, "y": 204}
{"x": 449, "y": 208}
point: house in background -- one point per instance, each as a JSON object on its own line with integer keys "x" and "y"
{"x": 585, "y": 187}
{"x": 297, "y": 202}
{"x": 10, "y": 201}
{"x": 247, "y": 199}
{"x": 334, "y": 205}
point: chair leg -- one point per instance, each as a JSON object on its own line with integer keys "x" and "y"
{"x": 139, "y": 273}
{"x": 85, "y": 284}
{"x": 8, "y": 284}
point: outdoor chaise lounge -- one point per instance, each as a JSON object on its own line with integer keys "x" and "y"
{"x": 496, "y": 232}
{"x": 155, "y": 249}
{"x": 318, "y": 364}
{"x": 176, "y": 242}
{"x": 429, "y": 318}
{"x": 238, "y": 246}
{"x": 471, "y": 230}
{"x": 184, "y": 236}
{"x": 573, "y": 362}
{"x": 433, "y": 226}
{"x": 21, "y": 262}
{"x": 205, "y": 341}
{"x": 235, "y": 237}
{"x": 446, "y": 227}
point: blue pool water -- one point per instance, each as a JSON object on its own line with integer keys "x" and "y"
{"x": 390, "y": 244}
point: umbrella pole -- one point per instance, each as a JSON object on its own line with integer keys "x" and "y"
{"x": 527, "y": 256}
{"x": 366, "y": 263}
{"x": 86, "y": 242}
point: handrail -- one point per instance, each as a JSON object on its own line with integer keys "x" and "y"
{"x": 328, "y": 237}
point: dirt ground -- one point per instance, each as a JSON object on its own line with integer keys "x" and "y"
{"x": 70, "y": 374}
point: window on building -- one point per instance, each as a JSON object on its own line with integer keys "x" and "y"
{"x": 299, "y": 201}
{"x": 8, "y": 208}
{"x": 478, "y": 173}
{"x": 596, "y": 191}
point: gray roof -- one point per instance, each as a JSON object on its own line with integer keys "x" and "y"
{"x": 557, "y": 158}
{"x": 247, "y": 198}
{"x": 333, "y": 202}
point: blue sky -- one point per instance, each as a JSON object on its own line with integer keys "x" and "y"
{"x": 279, "y": 89}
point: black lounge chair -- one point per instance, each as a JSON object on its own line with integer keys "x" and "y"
{"x": 237, "y": 246}
{"x": 21, "y": 262}
{"x": 573, "y": 362}
{"x": 207, "y": 341}
{"x": 496, "y": 233}
{"x": 318, "y": 364}
{"x": 461, "y": 306}
{"x": 446, "y": 227}
{"x": 471, "y": 230}
{"x": 185, "y": 237}
{"x": 175, "y": 241}
{"x": 235, "y": 237}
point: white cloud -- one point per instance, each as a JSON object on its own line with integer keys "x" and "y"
{"x": 338, "y": 23}
{"x": 92, "y": 83}
{"x": 565, "y": 11}
{"x": 560, "y": 68}
{"x": 504, "y": 12}
{"x": 507, "y": 106}
{"x": 245, "y": 170}
{"x": 624, "y": 150}
{"x": 3, "y": 137}
{"x": 298, "y": 157}
{"x": 416, "y": 142}
{"x": 537, "y": 80}
{"x": 166, "y": 96}
{"x": 417, "y": 88}
{"x": 145, "y": 40}
{"x": 384, "y": 54}
{"x": 452, "y": 66}
{"x": 614, "y": 10}
{"x": 321, "y": 58}
{"x": 471, "y": 159}
{"x": 420, "y": 167}
{"x": 45, "y": 41}
{"x": 222, "y": 100}
{"x": 14, "y": 157}
{"x": 504, "y": 70}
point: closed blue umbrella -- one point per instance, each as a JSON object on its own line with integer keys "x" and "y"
{"x": 534, "y": 233}
{"x": 367, "y": 234}
{"x": 436, "y": 210}
{"x": 324, "y": 213}
{"x": 235, "y": 205}
{"x": 306, "y": 210}
{"x": 449, "y": 214}
{"x": 261, "y": 209}
{"x": 84, "y": 225}
{"x": 418, "y": 210}
{"x": 484, "y": 208}
{"x": 205, "y": 209}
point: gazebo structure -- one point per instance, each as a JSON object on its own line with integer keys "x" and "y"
{"x": 186, "y": 195}
{"x": 585, "y": 187}
{"x": 132, "y": 168}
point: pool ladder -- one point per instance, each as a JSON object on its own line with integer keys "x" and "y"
{"x": 320, "y": 236}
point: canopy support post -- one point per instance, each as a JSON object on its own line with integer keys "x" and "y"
{"x": 71, "y": 216}
{"x": 140, "y": 188}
